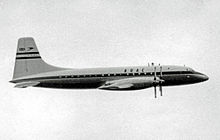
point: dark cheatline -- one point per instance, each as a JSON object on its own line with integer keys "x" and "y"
{"x": 33, "y": 57}
{"x": 27, "y": 53}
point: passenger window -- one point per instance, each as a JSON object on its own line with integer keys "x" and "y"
{"x": 131, "y": 70}
{"x": 125, "y": 70}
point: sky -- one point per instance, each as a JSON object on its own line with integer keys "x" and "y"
{"x": 108, "y": 33}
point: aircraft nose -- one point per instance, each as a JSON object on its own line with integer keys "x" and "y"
{"x": 204, "y": 77}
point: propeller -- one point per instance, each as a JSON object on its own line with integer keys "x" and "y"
{"x": 158, "y": 81}
{"x": 155, "y": 83}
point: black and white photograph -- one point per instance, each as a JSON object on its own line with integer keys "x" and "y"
{"x": 109, "y": 69}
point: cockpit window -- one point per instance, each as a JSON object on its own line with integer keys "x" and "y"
{"x": 190, "y": 69}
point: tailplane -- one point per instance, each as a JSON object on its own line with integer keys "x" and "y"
{"x": 28, "y": 60}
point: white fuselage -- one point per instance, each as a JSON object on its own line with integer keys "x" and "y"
{"x": 139, "y": 76}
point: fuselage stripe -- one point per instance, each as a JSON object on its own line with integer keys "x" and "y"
{"x": 33, "y": 57}
{"x": 110, "y": 75}
{"x": 27, "y": 53}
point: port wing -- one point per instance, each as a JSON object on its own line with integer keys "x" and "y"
{"x": 129, "y": 83}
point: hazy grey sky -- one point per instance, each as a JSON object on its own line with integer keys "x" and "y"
{"x": 101, "y": 33}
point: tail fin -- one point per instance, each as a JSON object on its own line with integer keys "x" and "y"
{"x": 28, "y": 60}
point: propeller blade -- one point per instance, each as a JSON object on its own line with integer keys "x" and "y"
{"x": 155, "y": 92}
{"x": 161, "y": 91}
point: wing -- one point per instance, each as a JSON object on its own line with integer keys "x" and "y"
{"x": 129, "y": 83}
{"x": 27, "y": 84}
{"x": 116, "y": 86}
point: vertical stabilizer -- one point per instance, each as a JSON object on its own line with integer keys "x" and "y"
{"x": 28, "y": 60}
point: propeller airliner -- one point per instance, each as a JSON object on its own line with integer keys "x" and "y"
{"x": 31, "y": 70}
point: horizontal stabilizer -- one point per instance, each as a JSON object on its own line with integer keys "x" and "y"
{"x": 26, "y": 84}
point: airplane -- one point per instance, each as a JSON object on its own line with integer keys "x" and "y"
{"x": 31, "y": 70}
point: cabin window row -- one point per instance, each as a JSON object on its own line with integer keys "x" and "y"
{"x": 103, "y": 75}
{"x": 123, "y": 74}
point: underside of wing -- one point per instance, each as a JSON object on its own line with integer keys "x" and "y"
{"x": 117, "y": 86}
{"x": 27, "y": 84}
{"x": 129, "y": 84}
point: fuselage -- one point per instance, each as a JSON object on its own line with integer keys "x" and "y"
{"x": 96, "y": 77}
